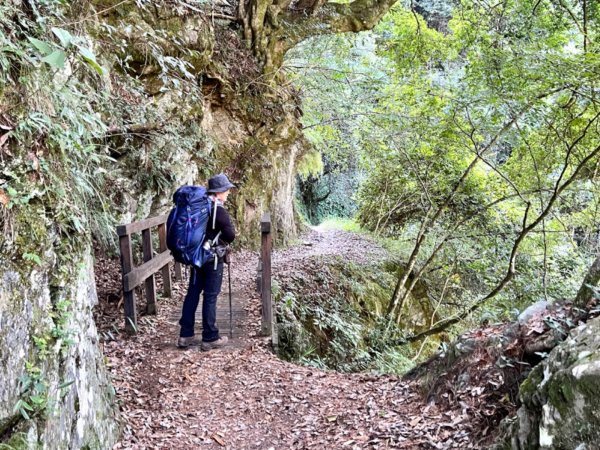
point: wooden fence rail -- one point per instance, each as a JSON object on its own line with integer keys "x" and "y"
{"x": 135, "y": 276}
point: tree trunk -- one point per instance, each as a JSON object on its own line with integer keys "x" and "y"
{"x": 586, "y": 291}
{"x": 272, "y": 27}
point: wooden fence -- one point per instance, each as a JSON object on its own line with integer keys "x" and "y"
{"x": 135, "y": 276}
{"x": 152, "y": 263}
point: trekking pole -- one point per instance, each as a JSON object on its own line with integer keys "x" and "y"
{"x": 230, "y": 310}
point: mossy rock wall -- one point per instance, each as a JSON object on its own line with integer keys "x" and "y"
{"x": 561, "y": 397}
{"x": 217, "y": 114}
{"x": 48, "y": 336}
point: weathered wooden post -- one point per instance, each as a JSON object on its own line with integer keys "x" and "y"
{"x": 144, "y": 274}
{"x": 127, "y": 266}
{"x": 259, "y": 276}
{"x": 266, "y": 245}
{"x": 150, "y": 286}
{"x": 166, "y": 273}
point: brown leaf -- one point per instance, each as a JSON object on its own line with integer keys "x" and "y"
{"x": 4, "y": 198}
{"x": 415, "y": 421}
{"x": 219, "y": 440}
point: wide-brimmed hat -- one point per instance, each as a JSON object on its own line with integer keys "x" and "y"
{"x": 219, "y": 183}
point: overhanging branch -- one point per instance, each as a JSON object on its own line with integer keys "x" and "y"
{"x": 360, "y": 15}
{"x": 272, "y": 27}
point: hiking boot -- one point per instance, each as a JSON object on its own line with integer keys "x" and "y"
{"x": 185, "y": 342}
{"x": 206, "y": 346}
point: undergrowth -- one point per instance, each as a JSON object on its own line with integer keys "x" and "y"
{"x": 330, "y": 316}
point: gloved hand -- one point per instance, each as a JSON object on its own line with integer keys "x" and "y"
{"x": 227, "y": 256}
{"x": 222, "y": 252}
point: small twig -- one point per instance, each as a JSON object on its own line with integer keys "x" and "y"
{"x": 91, "y": 16}
{"x": 133, "y": 129}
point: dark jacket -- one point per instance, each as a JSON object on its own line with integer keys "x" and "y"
{"x": 223, "y": 224}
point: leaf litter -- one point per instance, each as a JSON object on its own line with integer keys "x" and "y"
{"x": 245, "y": 397}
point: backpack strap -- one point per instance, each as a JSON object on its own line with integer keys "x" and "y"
{"x": 215, "y": 213}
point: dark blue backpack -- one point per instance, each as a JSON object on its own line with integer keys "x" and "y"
{"x": 186, "y": 226}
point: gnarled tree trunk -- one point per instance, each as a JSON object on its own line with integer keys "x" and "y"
{"x": 272, "y": 27}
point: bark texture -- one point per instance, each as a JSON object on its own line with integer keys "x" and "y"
{"x": 272, "y": 27}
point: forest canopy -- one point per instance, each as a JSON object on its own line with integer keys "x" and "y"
{"x": 475, "y": 129}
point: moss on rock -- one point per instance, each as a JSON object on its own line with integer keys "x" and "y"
{"x": 561, "y": 397}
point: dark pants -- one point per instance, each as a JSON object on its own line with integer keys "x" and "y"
{"x": 209, "y": 280}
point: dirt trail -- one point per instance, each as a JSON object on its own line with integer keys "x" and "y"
{"x": 244, "y": 397}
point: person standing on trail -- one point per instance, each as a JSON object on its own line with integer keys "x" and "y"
{"x": 210, "y": 276}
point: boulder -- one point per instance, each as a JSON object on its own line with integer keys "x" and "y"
{"x": 561, "y": 397}
{"x": 55, "y": 391}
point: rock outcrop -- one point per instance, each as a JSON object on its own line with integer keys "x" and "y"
{"x": 561, "y": 397}
{"x": 54, "y": 389}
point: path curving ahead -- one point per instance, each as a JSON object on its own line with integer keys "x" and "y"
{"x": 244, "y": 397}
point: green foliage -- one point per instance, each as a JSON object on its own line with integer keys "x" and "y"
{"x": 34, "y": 399}
{"x": 465, "y": 135}
{"x": 328, "y": 318}
{"x": 332, "y": 73}
{"x": 53, "y": 137}
{"x": 509, "y": 109}
{"x": 310, "y": 165}
{"x": 411, "y": 43}
{"x": 338, "y": 223}
{"x": 61, "y": 315}
{"x": 66, "y": 164}
{"x": 18, "y": 441}
{"x": 32, "y": 257}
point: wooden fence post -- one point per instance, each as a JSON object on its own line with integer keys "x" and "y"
{"x": 166, "y": 273}
{"x": 150, "y": 286}
{"x": 267, "y": 307}
{"x": 178, "y": 275}
{"x": 128, "y": 296}
{"x": 259, "y": 276}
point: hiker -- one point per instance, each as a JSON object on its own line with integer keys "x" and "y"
{"x": 210, "y": 276}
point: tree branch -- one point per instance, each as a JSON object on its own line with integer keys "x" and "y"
{"x": 559, "y": 188}
{"x": 360, "y": 15}
{"x": 400, "y": 292}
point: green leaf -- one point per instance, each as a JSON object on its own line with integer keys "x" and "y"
{"x": 37, "y": 399}
{"x": 56, "y": 59}
{"x": 66, "y": 384}
{"x": 43, "y": 47}
{"x": 63, "y": 35}
{"x": 17, "y": 406}
{"x": 32, "y": 257}
{"x": 87, "y": 53}
{"x": 25, "y": 405}
{"x": 90, "y": 58}
{"x": 24, "y": 414}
